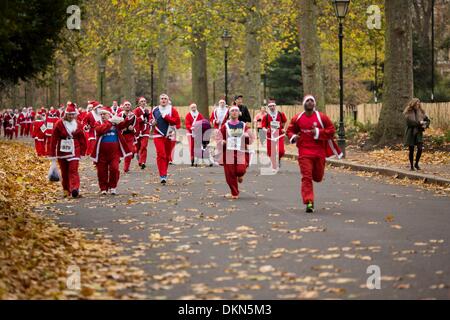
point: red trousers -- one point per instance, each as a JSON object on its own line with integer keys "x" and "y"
{"x": 9, "y": 133}
{"x": 278, "y": 147}
{"x": 191, "y": 146}
{"x": 16, "y": 131}
{"x": 232, "y": 172}
{"x": 129, "y": 138}
{"x": 69, "y": 175}
{"x": 312, "y": 169}
{"x": 28, "y": 129}
{"x": 163, "y": 148}
{"x": 108, "y": 165}
{"x": 172, "y": 151}
{"x": 48, "y": 144}
{"x": 23, "y": 129}
{"x": 90, "y": 146}
{"x": 39, "y": 146}
{"x": 142, "y": 145}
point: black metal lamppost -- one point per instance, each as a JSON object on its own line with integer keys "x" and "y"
{"x": 341, "y": 10}
{"x": 226, "y": 40}
{"x": 102, "y": 66}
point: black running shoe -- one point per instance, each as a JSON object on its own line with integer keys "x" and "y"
{"x": 75, "y": 193}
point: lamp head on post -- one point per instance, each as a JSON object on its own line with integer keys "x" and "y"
{"x": 341, "y": 8}
{"x": 102, "y": 66}
{"x": 152, "y": 56}
{"x": 226, "y": 39}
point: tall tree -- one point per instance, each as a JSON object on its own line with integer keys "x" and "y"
{"x": 252, "y": 58}
{"x": 310, "y": 51}
{"x": 29, "y": 35}
{"x": 398, "y": 74}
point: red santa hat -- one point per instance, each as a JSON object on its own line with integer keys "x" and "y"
{"x": 96, "y": 104}
{"x": 142, "y": 99}
{"x": 126, "y": 102}
{"x": 309, "y": 97}
{"x": 71, "y": 109}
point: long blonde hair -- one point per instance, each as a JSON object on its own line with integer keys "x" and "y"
{"x": 410, "y": 106}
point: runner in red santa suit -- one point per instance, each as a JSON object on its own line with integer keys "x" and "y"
{"x": 129, "y": 133}
{"x": 219, "y": 115}
{"x": 110, "y": 147}
{"x": 22, "y": 121}
{"x": 273, "y": 123}
{"x": 38, "y": 134}
{"x": 142, "y": 130}
{"x": 189, "y": 121}
{"x": 90, "y": 121}
{"x": 16, "y": 123}
{"x": 29, "y": 121}
{"x": 235, "y": 137}
{"x": 313, "y": 133}
{"x": 115, "y": 109}
{"x": 9, "y": 124}
{"x": 2, "y": 113}
{"x": 81, "y": 114}
{"x": 52, "y": 117}
{"x": 165, "y": 120}
{"x": 68, "y": 145}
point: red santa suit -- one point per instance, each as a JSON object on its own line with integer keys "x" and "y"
{"x": 1, "y": 124}
{"x": 9, "y": 124}
{"x": 116, "y": 110}
{"x": 22, "y": 121}
{"x": 189, "y": 121}
{"x": 38, "y": 134}
{"x": 50, "y": 122}
{"x": 130, "y": 138}
{"x": 110, "y": 147}
{"x": 90, "y": 121}
{"x": 29, "y": 121}
{"x": 16, "y": 125}
{"x": 235, "y": 156}
{"x": 274, "y": 124}
{"x": 167, "y": 120}
{"x": 68, "y": 144}
{"x": 314, "y": 144}
{"x": 142, "y": 133}
{"x": 218, "y": 117}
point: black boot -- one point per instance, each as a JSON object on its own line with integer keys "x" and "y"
{"x": 411, "y": 157}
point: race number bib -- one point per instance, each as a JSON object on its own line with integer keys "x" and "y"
{"x": 43, "y": 128}
{"x": 50, "y": 125}
{"x": 234, "y": 143}
{"x": 67, "y": 145}
{"x": 275, "y": 124}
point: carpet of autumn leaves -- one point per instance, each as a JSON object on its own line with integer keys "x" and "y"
{"x": 35, "y": 252}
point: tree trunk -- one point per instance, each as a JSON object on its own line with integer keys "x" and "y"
{"x": 199, "y": 77}
{"x": 72, "y": 80}
{"x": 163, "y": 65}
{"x": 310, "y": 52}
{"x": 127, "y": 74}
{"x": 101, "y": 59}
{"x": 398, "y": 75}
{"x": 252, "y": 72}
{"x": 53, "y": 88}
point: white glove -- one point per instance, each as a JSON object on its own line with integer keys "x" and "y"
{"x": 116, "y": 119}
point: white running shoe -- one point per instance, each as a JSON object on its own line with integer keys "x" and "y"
{"x": 113, "y": 191}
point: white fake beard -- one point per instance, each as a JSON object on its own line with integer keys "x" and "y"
{"x": 70, "y": 126}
